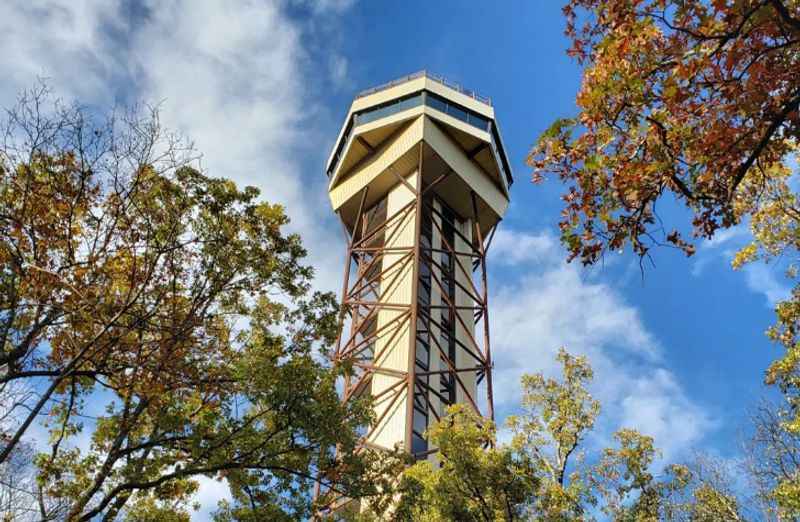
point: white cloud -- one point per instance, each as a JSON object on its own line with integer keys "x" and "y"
{"x": 339, "y": 68}
{"x": 236, "y": 79}
{"x": 63, "y": 40}
{"x": 550, "y": 305}
{"x": 727, "y": 236}
{"x": 760, "y": 277}
{"x": 511, "y": 248}
{"x": 210, "y": 492}
{"x": 763, "y": 279}
{"x": 656, "y": 403}
{"x": 722, "y": 245}
{"x": 229, "y": 77}
{"x": 326, "y": 6}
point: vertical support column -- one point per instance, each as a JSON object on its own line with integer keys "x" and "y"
{"x": 412, "y": 349}
{"x": 485, "y": 305}
{"x": 436, "y": 365}
{"x": 391, "y": 308}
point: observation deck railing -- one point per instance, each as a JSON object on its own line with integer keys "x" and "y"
{"x": 439, "y": 79}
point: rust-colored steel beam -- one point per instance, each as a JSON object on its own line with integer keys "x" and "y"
{"x": 486, "y": 347}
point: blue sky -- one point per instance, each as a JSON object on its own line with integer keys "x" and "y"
{"x": 262, "y": 87}
{"x": 705, "y": 321}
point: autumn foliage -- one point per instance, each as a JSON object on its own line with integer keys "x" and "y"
{"x": 694, "y": 102}
{"x": 679, "y": 99}
{"x": 159, "y": 325}
{"x": 552, "y": 470}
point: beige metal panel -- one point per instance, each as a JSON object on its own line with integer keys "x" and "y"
{"x": 497, "y": 149}
{"x": 389, "y": 120}
{"x": 367, "y": 127}
{"x": 464, "y": 168}
{"x": 358, "y": 104}
{"x": 400, "y": 117}
{"x": 477, "y": 133}
{"x": 382, "y": 159}
{"x": 390, "y": 433}
{"x": 338, "y": 139}
{"x": 418, "y": 84}
{"x": 465, "y": 335}
{"x": 436, "y": 300}
{"x": 402, "y": 232}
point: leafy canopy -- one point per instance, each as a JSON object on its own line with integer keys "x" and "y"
{"x": 679, "y": 99}
{"x": 547, "y": 472}
{"x": 131, "y": 279}
{"x": 694, "y": 102}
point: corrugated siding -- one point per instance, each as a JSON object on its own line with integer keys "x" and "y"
{"x": 382, "y": 160}
{"x": 392, "y": 429}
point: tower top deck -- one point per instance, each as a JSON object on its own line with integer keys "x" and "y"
{"x": 394, "y": 102}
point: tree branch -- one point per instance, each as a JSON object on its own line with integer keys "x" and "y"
{"x": 785, "y": 15}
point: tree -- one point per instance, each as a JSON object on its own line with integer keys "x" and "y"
{"x": 705, "y": 489}
{"x": 556, "y": 418}
{"x": 773, "y": 461}
{"x": 688, "y": 99}
{"x": 131, "y": 279}
{"x": 475, "y": 481}
{"x": 624, "y": 481}
{"x": 691, "y": 102}
{"x": 17, "y": 490}
{"x": 546, "y": 472}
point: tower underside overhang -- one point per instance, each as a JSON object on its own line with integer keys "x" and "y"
{"x": 382, "y": 157}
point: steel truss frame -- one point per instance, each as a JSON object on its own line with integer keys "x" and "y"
{"x": 362, "y": 300}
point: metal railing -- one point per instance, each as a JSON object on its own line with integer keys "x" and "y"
{"x": 439, "y": 79}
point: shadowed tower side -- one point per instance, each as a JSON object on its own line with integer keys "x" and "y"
{"x": 420, "y": 181}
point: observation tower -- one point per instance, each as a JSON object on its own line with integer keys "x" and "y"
{"x": 420, "y": 180}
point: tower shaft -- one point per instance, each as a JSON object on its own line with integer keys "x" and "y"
{"x": 414, "y": 296}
